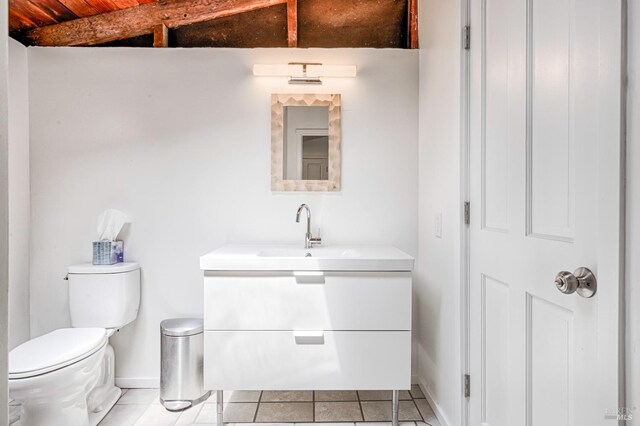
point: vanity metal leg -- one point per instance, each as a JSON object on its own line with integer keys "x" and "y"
{"x": 220, "y": 407}
{"x": 395, "y": 409}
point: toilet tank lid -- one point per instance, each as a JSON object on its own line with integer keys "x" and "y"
{"x": 88, "y": 268}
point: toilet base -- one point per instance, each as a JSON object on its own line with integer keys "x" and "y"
{"x": 72, "y": 404}
{"x": 105, "y": 394}
{"x": 96, "y": 417}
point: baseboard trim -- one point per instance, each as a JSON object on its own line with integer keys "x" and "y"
{"x": 138, "y": 382}
{"x": 437, "y": 409}
{"x": 414, "y": 379}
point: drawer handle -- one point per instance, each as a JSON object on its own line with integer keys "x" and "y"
{"x": 309, "y": 337}
{"x": 309, "y": 277}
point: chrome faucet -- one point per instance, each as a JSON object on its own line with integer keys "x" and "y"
{"x": 309, "y": 240}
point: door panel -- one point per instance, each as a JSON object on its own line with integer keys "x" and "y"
{"x": 495, "y": 129}
{"x": 495, "y": 350}
{"x": 543, "y": 90}
{"x": 549, "y": 362}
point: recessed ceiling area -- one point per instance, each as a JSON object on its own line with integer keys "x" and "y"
{"x": 215, "y": 23}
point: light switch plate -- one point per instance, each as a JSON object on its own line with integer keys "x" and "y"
{"x": 438, "y": 225}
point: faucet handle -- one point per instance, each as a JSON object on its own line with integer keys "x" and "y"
{"x": 315, "y": 241}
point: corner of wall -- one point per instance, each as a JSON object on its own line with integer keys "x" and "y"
{"x": 18, "y": 193}
{"x": 439, "y": 257}
{"x": 4, "y": 219}
{"x": 437, "y": 408}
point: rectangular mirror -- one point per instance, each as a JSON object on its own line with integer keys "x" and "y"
{"x": 305, "y": 142}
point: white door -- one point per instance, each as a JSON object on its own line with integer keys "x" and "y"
{"x": 315, "y": 168}
{"x": 545, "y": 188}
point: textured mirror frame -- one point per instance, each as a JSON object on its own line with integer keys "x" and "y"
{"x": 278, "y": 102}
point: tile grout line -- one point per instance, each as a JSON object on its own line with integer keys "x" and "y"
{"x": 413, "y": 400}
{"x": 360, "y": 404}
{"x": 255, "y": 415}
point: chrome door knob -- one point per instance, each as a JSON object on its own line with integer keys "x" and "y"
{"x": 582, "y": 281}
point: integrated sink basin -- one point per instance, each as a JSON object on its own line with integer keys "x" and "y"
{"x": 318, "y": 252}
{"x": 296, "y": 258}
{"x": 285, "y": 253}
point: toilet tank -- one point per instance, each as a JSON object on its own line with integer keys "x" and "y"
{"x": 106, "y": 296}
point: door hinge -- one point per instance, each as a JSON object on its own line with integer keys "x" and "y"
{"x": 466, "y": 37}
{"x": 467, "y": 386}
{"x": 467, "y": 213}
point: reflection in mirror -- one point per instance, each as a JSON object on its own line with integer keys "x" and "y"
{"x": 306, "y": 143}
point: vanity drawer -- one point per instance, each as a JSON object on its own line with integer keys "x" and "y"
{"x": 329, "y": 360}
{"x": 292, "y": 301}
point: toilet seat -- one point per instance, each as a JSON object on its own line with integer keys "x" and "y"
{"x": 55, "y": 350}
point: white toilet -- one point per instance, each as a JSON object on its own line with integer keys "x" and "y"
{"x": 66, "y": 377}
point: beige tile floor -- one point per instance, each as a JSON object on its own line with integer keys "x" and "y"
{"x": 141, "y": 407}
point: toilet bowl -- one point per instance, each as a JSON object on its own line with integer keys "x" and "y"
{"x": 66, "y": 377}
{"x": 52, "y": 376}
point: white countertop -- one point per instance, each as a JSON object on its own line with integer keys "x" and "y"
{"x": 295, "y": 258}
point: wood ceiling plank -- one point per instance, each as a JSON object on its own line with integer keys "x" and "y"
{"x": 53, "y": 8}
{"x": 124, "y": 4}
{"x": 104, "y": 6}
{"x": 292, "y": 22}
{"x": 19, "y": 21}
{"x": 139, "y": 20}
{"x": 47, "y": 12}
{"x": 80, "y": 7}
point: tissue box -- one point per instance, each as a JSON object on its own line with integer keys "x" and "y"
{"x": 107, "y": 252}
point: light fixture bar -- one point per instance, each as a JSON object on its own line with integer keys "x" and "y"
{"x": 304, "y": 72}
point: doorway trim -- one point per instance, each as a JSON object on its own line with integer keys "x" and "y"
{"x": 465, "y": 196}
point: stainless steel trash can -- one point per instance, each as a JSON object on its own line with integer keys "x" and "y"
{"x": 181, "y": 348}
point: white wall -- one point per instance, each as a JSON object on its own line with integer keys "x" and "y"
{"x": 180, "y": 139}
{"x": 18, "y": 195}
{"x": 632, "y": 290}
{"x": 438, "y": 284}
{"x": 4, "y": 217}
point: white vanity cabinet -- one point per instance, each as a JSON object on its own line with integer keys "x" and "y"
{"x": 305, "y": 328}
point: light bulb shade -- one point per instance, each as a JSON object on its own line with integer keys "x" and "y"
{"x": 331, "y": 70}
{"x": 278, "y": 70}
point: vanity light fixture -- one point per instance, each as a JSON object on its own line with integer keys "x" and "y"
{"x": 304, "y": 72}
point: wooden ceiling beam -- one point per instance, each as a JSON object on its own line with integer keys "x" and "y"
{"x": 161, "y": 36}
{"x": 292, "y": 22}
{"x": 412, "y": 39}
{"x": 139, "y": 20}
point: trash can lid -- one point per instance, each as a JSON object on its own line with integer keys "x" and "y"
{"x": 182, "y": 326}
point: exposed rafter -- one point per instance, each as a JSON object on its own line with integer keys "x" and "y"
{"x": 292, "y": 22}
{"x": 140, "y": 20}
{"x": 161, "y": 36}
{"x": 412, "y": 27}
